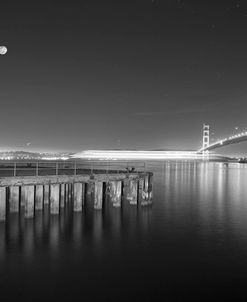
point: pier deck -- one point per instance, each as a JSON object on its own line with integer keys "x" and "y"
{"x": 70, "y": 185}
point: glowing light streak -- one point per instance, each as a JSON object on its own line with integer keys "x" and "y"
{"x": 121, "y": 154}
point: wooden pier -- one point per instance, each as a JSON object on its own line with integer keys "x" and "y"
{"x": 33, "y": 193}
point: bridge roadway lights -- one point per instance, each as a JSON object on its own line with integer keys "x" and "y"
{"x": 205, "y": 154}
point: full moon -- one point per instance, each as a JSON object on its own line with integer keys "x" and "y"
{"x": 3, "y": 50}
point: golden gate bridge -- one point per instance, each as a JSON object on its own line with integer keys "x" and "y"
{"x": 202, "y": 153}
{"x": 233, "y": 139}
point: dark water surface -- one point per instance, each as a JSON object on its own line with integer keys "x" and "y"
{"x": 191, "y": 244}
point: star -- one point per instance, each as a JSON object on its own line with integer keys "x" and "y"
{"x": 212, "y": 27}
{"x": 155, "y": 2}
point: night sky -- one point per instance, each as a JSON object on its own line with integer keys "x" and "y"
{"x": 121, "y": 73}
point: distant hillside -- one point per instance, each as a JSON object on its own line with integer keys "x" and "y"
{"x": 23, "y": 155}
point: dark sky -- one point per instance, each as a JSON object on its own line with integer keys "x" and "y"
{"x": 121, "y": 73}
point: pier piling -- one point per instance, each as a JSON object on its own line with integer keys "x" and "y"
{"x": 62, "y": 195}
{"x": 145, "y": 191}
{"x": 98, "y": 195}
{"x": 116, "y": 193}
{"x": 14, "y": 199}
{"x": 2, "y": 203}
{"x": 79, "y": 191}
{"x": 54, "y": 199}
{"x": 46, "y": 194}
{"x": 33, "y": 192}
{"x": 39, "y": 197}
{"x": 29, "y": 201}
{"x": 66, "y": 193}
{"x": 132, "y": 192}
{"x": 150, "y": 189}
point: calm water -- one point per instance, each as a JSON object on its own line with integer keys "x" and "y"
{"x": 192, "y": 243}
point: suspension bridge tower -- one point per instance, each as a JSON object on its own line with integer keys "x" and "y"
{"x": 205, "y": 138}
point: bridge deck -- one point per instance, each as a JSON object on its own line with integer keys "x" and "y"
{"x": 226, "y": 141}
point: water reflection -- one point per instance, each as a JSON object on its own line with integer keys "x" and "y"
{"x": 211, "y": 193}
{"x": 26, "y": 237}
{"x": 193, "y": 236}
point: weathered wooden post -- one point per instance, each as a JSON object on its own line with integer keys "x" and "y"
{"x": 150, "y": 189}
{"x": 145, "y": 190}
{"x": 116, "y": 193}
{"x": 39, "y": 197}
{"x": 29, "y": 201}
{"x": 83, "y": 194}
{"x": 62, "y": 195}
{"x": 132, "y": 192}
{"x": 90, "y": 188}
{"x": 22, "y": 201}
{"x": 14, "y": 199}
{"x": 54, "y": 199}
{"x": 143, "y": 195}
{"x": 69, "y": 192}
{"x": 98, "y": 195}
{"x": 46, "y": 194}
{"x": 79, "y": 192}
{"x": 66, "y": 193}
{"x": 2, "y": 203}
